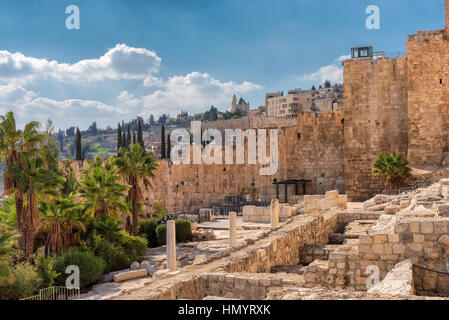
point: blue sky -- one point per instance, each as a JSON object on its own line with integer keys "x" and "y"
{"x": 136, "y": 57}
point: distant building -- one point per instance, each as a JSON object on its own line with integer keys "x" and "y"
{"x": 298, "y": 100}
{"x": 241, "y": 105}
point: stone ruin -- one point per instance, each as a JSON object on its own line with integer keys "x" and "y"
{"x": 389, "y": 247}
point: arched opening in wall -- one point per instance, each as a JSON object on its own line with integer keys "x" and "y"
{"x": 343, "y": 121}
{"x": 224, "y": 169}
{"x": 299, "y": 135}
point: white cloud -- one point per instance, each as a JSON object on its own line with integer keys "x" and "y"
{"x": 194, "y": 92}
{"x": 127, "y": 99}
{"x": 36, "y": 89}
{"x": 27, "y": 106}
{"x": 332, "y": 72}
{"x": 121, "y": 62}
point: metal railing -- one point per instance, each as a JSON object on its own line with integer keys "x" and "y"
{"x": 56, "y": 293}
{"x": 408, "y": 189}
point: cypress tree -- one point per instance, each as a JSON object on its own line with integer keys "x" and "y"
{"x": 168, "y": 146}
{"x": 78, "y": 145}
{"x": 134, "y": 138}
{"x": 119, "y": 139}
{"x": 140, "y": 135}
{"x": 124, "y": 140}
{"x": 128, "y": 142}
{"x": 61, "y": 140}
{"x": 163, "y": 155}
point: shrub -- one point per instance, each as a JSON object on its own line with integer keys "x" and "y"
{"x": 161, "y": 232}
{"x": 148, "y": 229}
{"x": 26, "y": 283}
{"x": 114, "y": 256}
{"x": 91, "y": 267}
{"x": 183, "y": 232}
{"x": 45, "y": 269}
{"x": 134, "y": 246}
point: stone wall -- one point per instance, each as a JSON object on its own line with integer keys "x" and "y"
{"x": 375, "y": 119}
{"x": 314, "y": 150}
{"x": 283, "y": 249}
{"x": 424, "y": 241}
{"x": 428, "y": 99}
{"x": 311, "y": 150}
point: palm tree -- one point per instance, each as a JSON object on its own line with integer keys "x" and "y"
{"x": 62, "y": 222}
{"x": 392, "y": 168}
{"x": 135, "y": 165}
{"x": 13, "y": 145}
{"x": 101, "y": 190}
{"x": 33, "y": 179}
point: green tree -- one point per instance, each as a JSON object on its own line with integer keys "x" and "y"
{"x": 14, "y": 144}
{"x": 140, "y": 135}
{"x": 61, "y": 223}
{"x": 101, "y": 190}
{"x": 6, "y": 240}
{"x": 119, "y": 139}
{"x": 34, "y": 179}
{"x": 78, "y": 156}
{"x": 392, "y": 168}
{"x": 136, "y": 165}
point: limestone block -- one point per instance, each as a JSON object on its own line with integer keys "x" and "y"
{"x": 330, "y": 195}
{"x": 286, "y": 212}
{"x": 308, "y": 199}
{"x": 135, "y": 266}
{"x": 398, "y": 282}
{"x": 248, "y": 210}
{"x": 128, "y": 275}
{"x": 392, "y": 209}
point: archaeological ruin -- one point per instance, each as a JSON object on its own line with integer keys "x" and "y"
{"x": 322, "y": 228}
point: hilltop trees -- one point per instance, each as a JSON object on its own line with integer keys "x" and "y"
{"x": 78, "y": 156}
{"x": 136, "y": 165}
{"x": 119, "y": 139}
{"x": 140, "y": 135}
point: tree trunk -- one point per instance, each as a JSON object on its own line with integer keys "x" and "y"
{"x": 133, "y": 197}
{"x": 31, "y": 223}
{"x": 20, "y": 224}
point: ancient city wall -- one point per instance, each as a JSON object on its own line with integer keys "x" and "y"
{"x": 375, "y": 118}
{"x": 311, "y": 150}
{"x": 428, "y": 99}
{"x": 314, "y": 150}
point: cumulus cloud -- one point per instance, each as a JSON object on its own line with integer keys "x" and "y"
{"x": 109, "y": 100}
{"x": 120, "y": 62}
{"x": 332, "y": 72}
{"x": 27, "y": 106}
{"x": 195, "y": 92}
{"x": 127, "y": 99}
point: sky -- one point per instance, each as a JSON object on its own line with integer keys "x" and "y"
{"x": 143, "y": 57}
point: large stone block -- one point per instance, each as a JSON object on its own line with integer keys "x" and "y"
{"x": 128, "y": 275}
